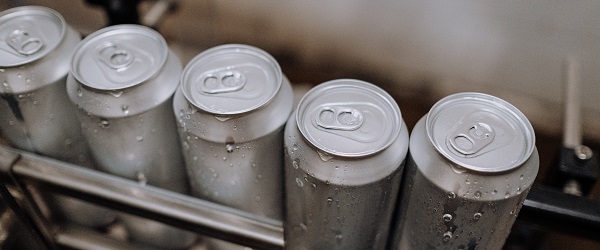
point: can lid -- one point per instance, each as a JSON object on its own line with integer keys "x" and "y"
{"x": 480, "y": 132}
{"x": 349, "y": 118}
{"x": 119, "y": 57}
{"x": 231, "y": 79}
{"x": 28, "y": 34}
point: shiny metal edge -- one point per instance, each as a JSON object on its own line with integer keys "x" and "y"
{"x": 186, "y": 212}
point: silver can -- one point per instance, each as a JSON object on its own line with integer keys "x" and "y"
{"x": 472, "y": 162}
{"x": 35, "y": 51}
{"x": 232, "y": 106}
{"x": 344, "y": 155}
{"x": 123, "y": 79}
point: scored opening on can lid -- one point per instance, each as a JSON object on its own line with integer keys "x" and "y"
{"x": 480, "y": 132}
{"x": 28, "y": 34}
{"x": 349, "y": 118}
{"x": 119, "y": 57}
{"x": 231, "y": 79}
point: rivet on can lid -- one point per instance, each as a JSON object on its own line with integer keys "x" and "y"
{"x": 28, "y": 34}
{"x": 349, "y": 118}
{"x": 480, "y": 132}
{"x": 231, "y": 79}
{"x": 119, "y": 57}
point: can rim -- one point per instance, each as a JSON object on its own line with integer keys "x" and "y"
{"x": 515, "y": 113}
{"x": 116, "y": 30}
{"x": 228, "y": 48}
{"x": 45, "y": 11}
{"x": 341, "y": 83}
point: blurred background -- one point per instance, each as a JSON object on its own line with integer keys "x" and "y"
{"x": 418, "y": 51}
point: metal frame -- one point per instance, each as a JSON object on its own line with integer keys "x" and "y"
{"x": 545, "y": 207}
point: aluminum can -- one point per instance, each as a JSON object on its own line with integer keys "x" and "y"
{"x": 232, "y": 106}
{"x": 344, "y": 155}
{"x": 472, "y": 162}
{"x": 122, "y": 80}
{"x": 35, "y": 113}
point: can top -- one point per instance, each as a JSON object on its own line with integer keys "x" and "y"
{"x": 349, "y": 118}
{"x": 119, "y": 57}
{"x": 28, "y": 34}
{"x": 480, "y": 132}
{"x": 231, "y": 79}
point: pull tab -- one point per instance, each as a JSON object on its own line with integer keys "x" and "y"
{"x": 222, "y": 82}
{"x": 470, "y": 139}
{"x": 25, "y": 42}
{"x": 113, "y": 56}
{"x": 339, "y": 118}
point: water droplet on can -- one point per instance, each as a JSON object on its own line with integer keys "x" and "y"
{"x": 447, "y": 217}
{"x": 506, "y": 195}
{"x": 329, "y": 200}
{"x": 104, "y": 123}
{"x": 229, "y": 148}
{"x": 296, "y": 163}
{"x": 477, "y": 216}
{"x": 324, "y": 157}
{"x": 299, "y": 183}
{"x": 139, "y": 138}
{"x": 451, "y": 195}
{"x": 447, "y": 236}
{"x": 222, "y": 119}
{"x": 477, "y": 194}
{"x": 116, "y": 94}
{"x": 142, "y": 178}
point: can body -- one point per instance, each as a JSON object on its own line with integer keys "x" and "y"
{"x": 472, "y": 161}
{"x": 122, "y": 79}
{"x": 231, "y": 108}
{"x": 36, "y": 113}
{"x": 344, "y": 154}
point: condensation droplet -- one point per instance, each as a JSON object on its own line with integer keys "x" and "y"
{"x": 477, "y": 194}
{"x": 451, "y": 195}
{"x": 299, "y": 183}
{"x": 324, "y": 157}
{"x": 234, "y": 127}
{"x": 222, "y": 119}
{"x": 229, "y": 148}
{"x": 68, "y": 142}
{"x": 506, "y": 195}
{"x": 104, "y": 123}
{"x": 125, "y": 109}
{"x": 314, "y": 185}
{"x": 447, "y": 217}
{"x": 296, "y": 163}
{"x": 142, "y": 178}
{"x": 477, "y": 216}
{"x": 467, "y": 181}
{"x": 447, "y": 236}
{"x": 329, "y": 200}
{"x": 224, "y": 158}
{"x": 521, "y": 177}
{"x": 494, "y": 191}
{"x": 139, "y": 138}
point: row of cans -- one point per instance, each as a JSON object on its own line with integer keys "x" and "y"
{"x": 336, "y": 169}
